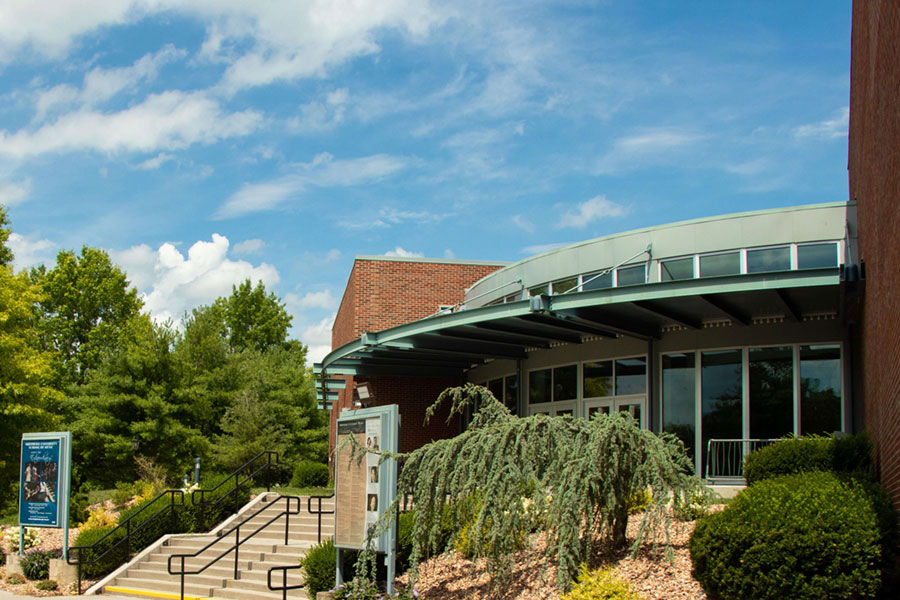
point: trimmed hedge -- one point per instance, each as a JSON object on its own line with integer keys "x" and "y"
{"x": 310, "y": 474}
{"x": 319, "y": 567}
{"x": 804, "y": 536}
{"x": 847, "y": 454}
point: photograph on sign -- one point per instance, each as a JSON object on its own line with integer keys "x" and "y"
{"x": 39, "y": 483}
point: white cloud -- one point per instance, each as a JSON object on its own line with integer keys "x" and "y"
{"x": 319, "y": 116}
{"x": 317, "y": 339}
{"x": 12, "y": 194}
{"x": 101, "y": 84}
{"x": 254, "y": 246}
{"x": 400, "y": 252}
{"x": 323, "y": 171}
{"x": 449, "y": 254}
{"x": 591, "y": 210}
{"x": 261, "y": 41}
{"x": 169, "y": 120}
{"x": 321, "y": 299}
{"x": 828, "y": 129}
{"x": 648, "y": 146}
{"x": 151, "y": 164}
{"x": 523, "y": 223}
{"x": 29, "y": 252}
{"x": 172, "y": 283}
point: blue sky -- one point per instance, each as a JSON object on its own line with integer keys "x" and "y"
{"x": 202, "y": 142}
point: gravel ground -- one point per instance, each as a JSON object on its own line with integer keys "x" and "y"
{"x": 51, "y": 539}
{"x": 451, "y": 577}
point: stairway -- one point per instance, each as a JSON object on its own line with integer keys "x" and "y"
{"x": 147, "y": 575}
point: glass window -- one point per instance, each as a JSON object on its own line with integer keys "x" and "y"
{"x": 721, "y": 390}
{"x": 539, "y": 290}
{"x": 820, "y": 389}
{"x": 631, "y": 275}
{"x": 771, "y": 392}
{"x": 603, "y": 410}
{"x": 561, "y": 287}
{"x": 631, "y": 376}
{"x": 595, "y": 281}
{"x": 598, "y": 379}
{"x": 511, "y": 399}
{"x": 565, "y": 383}
{"x": 714, "y": 265}
{"x": 495, "y": 386}
{"x": 680, "y": 268}
{"x": 768, "y": 259}
{"x": 540, "y": 386}
{"x": 678, "y": 398}
{"x": 817, "y": 256}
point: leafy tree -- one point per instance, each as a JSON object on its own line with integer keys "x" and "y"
{"x": 576, "y": 475}
{"x": 27, "y": 402}
{"x": 6, "y": 255}
{"x": 87, "y": 302}
{"x": 274, "y": 409}
{"x": 131, "y": 398}
{"x": 254, "y": 318}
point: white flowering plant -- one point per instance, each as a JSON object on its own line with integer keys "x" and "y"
{"x": 11, "y": 538}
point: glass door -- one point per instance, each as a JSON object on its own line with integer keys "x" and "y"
{"x": 633, "y": 405}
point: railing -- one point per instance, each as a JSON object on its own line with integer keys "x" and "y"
{"x": 319, "y": 512}
{"x": 284, "y": 587}
{"x": 725, "y": 458}
{"x": 246, "y": 469}
{"x": 171, "y": 506}
{"x": 236, "y": 530}
{"x": 130, "y": 530}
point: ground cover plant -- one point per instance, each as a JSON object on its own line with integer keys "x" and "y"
{"x": 571, "y": 477}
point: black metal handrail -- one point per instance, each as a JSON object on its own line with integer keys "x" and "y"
{"x": 284, "y": 586}
{"x": 129, "y": 531}
{"x": 236, "y": 475}
{"x": 319, "y": 512}
{"x": 236, "y": 530}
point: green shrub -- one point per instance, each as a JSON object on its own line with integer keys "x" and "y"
{"x": 48, "y": 585}
{"x": 36, "y": 564}
{"x": 123, "y": 494}
{"x": 811, "y": 535}
{"x": 78, "y": 505}
{"x": 319, "y": 566}
{"x": 847, "y": 454}
{"x": 15, "y": 579}
{"x": 102, "y": 558}
{"x": 310, "y": 474}
{"x": 601, "y": 584}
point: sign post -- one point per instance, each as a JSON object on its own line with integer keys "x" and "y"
{"x": 364, "y": 490}
{"x": 45, "y": 475}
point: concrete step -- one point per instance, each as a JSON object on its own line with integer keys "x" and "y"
{"x": 245, "y": 594}
{"x": 151, "y": 593}
{"x": 167, "y": 586}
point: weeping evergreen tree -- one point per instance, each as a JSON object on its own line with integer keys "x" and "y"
{"x": 505, "y": 476}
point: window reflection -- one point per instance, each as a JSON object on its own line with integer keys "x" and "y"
{"x": 678, "y": 398}
{"x": 771, "y": 392}
{"x": 820, "y": 389}
{"x": 721, "y": 392}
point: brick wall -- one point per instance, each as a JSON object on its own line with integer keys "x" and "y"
{"x": 874, "y": 166}
{"x": 384, "y": 293}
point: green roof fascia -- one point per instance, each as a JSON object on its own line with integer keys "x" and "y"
{"x": 605, "y": 297}
{"x": 426, "y": 325}
{"x": 695, "y": 287}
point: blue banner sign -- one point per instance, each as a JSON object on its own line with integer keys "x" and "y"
{"x": 39, "y": 483}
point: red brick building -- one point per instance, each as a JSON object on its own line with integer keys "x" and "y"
{"x": 874, "y": 165}
{"x": 384, "y": 292}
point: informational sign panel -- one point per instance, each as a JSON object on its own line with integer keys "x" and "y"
{"x": 363, "y": 490}
{"x": 44, "y": 478}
